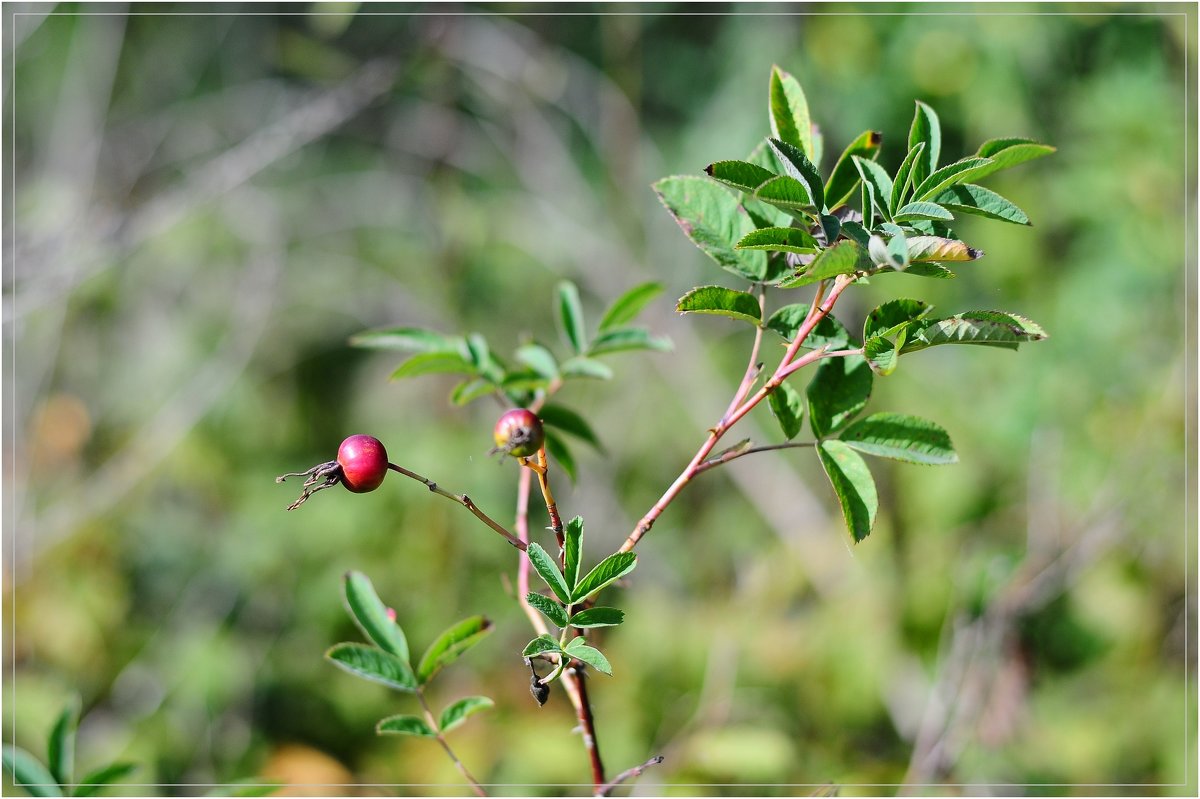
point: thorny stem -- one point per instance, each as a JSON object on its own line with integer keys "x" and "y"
{"x": 433, "y": 725}
{"x": 787, "y": 365}
{"x": 463, "y": 500}
{"x": 627, "y": 774}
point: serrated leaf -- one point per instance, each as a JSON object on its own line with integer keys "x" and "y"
{"x": 901, "y": 437}
{"x": 925, "y": 269}
{"x": 451, "y": 644}
{"x": 546, "y": 568}
{"x": 433, "y": 363}
{"x": 845, "y": 176}
{"x": 28, "y": 772}
{"x": 922, "y": 210}
{"x": 598, "y": 617}
{"x": 903, "y": 181}
{"x": 829, "y": 332}
{"x": 721, "y": 301}
{"x": 627, "y": 338}
{"x": 891, "y": 313}
{"x": 740, "y": 175}
{"x": 853, "y": 484}
{"x": 457, "y": 712}
{"x": 789, "y": 194}
{"x": 97, "y": 780}
{"x": 582, "y": 366}
{"x": 626, "y": 307}
{"x": 713, "y": 219}
{"x": 568, "y": 421}
{"x": 992, "y": 328}
{"x": 936, "y": 248}
{"x": 570, "y": 317}
{"x": 796, "y": 164}
{"x": 468, "y": 391}
{"x": 927, "y": 130}
{"x": 841, "y": 259}
{"x": 962, "y": 171}
{"x": 882, "y": 353}
{"x": 1005, "y": 153}
{"x": 855, "y": 230}
{"x": 790, "y": 120}
{"x": 608, "y": 571}
{"x": 405, "y": 725}
{"x": 548, "y": 607}
{"x": 589, "y": 655}
{"x": 539, "y": 359}
{"x": 543, "y": 643}
{"x": 558, "y": 449}
{"x": 837, "y": 392}
{"x": 572, "y": 551}
{"x": 868, "y": 202}
{"x": 408, "y": 339}
{"x": 373, "y": 664}
{"x": 60, "y": 748}
{"x": 881, "y": 184}
{"x": 371, "y": 615}
{"x": 968, "y": 198}
{"x": 779, "y": 239}
{"x": 788, "y": 408}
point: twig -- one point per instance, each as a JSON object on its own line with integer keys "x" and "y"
{"x": 463, "y": 500}
{"x": 433, "y": 725}
{"x": 734, "y": 454}
{"x": 754, "y": 368}
{"x": 587, "y": 723}
{"x": 628, "y": 774}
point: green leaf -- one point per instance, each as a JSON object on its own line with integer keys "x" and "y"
{"x": 405, "y": 725}
{"x": 568, "y": 421}
{"x": 845, "y": 176}
{"x": 855, "y": 230}
{"x": 961, "y": 171}
{"x": 927, "y": 130}
{"x": 627, "y": 338}
{"x": 789, "y": 194}
{"x": 373, "y": 664}
{"x": 244, "y": 788}
{"x": 543, "y": 643}
{"x": 582, "y": 366}
{"x": 626, "y": 307}
{"x": 881, "y": 184}
{"x": 788, "y": 407}
{"x": 892, "y": 313}
{"x": 408, "y": 339}
{"x": 427, "y": 363}
{"x": 868, "y": 202}
{"x": 544, "y": 565}
{"x": 539, "y": 359}
{"x": 572, "y": 551}
{"x": 841, "y": 259}
{"x": 457, "y": 712}
{"x": 609, "y": 570}
{"x": 740, "y": 175}
{"x": 371, "y": 615}
{"x": 451, "y": 644}
{"x": 796, "y": 165}
{"x": 722, "y": 302}
{"x": 837, "y": 392}
{"x": 548, "y": 607}
{"x": 936, "y": 248}
{"x": 779, "y": 239}
{"x": 1006, "y": 153}
{"x": 922, "y": 210}
{"x": 882, "y": 353}
{"x": 588, "y": 654}
{"x": 598, "y": 617}
{"x": 901, "y": 437}
{"x": 28, "y": 772}
{"x": 903, "y": 183}
{"x": 60, "y": 748}
{"x": 480, "y": 354}
{"x": 558, "y": 449}
{"x": 95, "y": 781}
{"x": 829, "y": 332}
{"x": 570, "y": 317}
{"x": 789, "y": 112}
{"x": 712, "y": 218}
{"x": 925, "y": 269}
{"x": 468, "y": 391}
{"x": 968, "y": 198}
{"x": 853, "y": 484}
{"x": 994, "y": 328}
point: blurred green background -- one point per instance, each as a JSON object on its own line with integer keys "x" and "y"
{"x": 205, "y": 207}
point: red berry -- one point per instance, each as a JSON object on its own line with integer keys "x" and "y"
{"x": 519, "y": 433}
{"x": 364, "y": 463}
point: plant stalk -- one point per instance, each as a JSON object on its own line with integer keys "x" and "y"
{"x": 433, "y": 725}
{"x": 463, "y": 500}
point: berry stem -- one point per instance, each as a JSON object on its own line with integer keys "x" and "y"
{"x": 463, "y": 500}
{"x": 433, "y": 725}
{"x": 627, "y": 774}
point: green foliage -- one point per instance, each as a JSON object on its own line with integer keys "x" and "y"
{"x": 853, "y": 484}
{"x": 606, "y": 572}
{"x": 788, "y": 408}
{"x": 548, "y": 607}
{"x": 405, "y": 725}
{"x": 57, "y": 776}
{"x": 711, "y": 217}
{"x": 458, "y": 711}
{"x": 837, "y": 393}
{"x": 451, "y": 645}
{"x": 371, "y": 616}
{"x": 901, "y": 437}
{"x": 722, "y": 302}
{"x": 373, "y": 664}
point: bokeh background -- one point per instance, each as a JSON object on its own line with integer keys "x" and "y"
{"x": 203, "y": 208}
